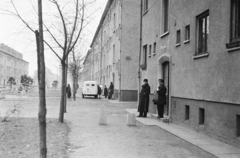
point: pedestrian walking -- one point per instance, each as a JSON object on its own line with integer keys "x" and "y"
{"x": 99, "y": 91}
{"x": 144, "y": 99}
{"x": 105, "y": 91}
{"x": 110, "y": 90}
{"x": 161, "y": 91}
{"x": 68, "y": 91}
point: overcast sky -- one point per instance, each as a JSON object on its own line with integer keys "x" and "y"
{"x": 14, "y": 33}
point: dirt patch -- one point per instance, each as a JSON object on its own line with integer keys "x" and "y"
{"x": 20, "y": 138}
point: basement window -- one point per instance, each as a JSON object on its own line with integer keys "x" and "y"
{"x": 187, "y": 112}
{"x": 238, "y": 126}
{"x": 201, "y": 116}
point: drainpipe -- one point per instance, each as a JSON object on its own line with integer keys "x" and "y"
{"x": 140, "y": 47}
{"x": 120, "y": 51}
{"x": 170, "y": 90}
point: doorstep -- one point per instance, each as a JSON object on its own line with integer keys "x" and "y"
{"x": 215, "y": 147}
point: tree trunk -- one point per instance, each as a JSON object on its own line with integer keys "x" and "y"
{"x": 66, "y": 73}
{"x": 75, "y": 82}
{"x": 41, "y": 82}
{"x": 63, "y": 92}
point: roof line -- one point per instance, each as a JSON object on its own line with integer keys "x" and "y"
{"x": 102, "y": 20}
{"x": 14, "y": 56}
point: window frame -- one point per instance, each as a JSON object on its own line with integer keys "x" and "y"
{"x": 145, "y": 6}
{"x": 187, "y": 34}
{"x": 203, "y": 15}
{"x": 150, "y": 50}
{"x": 165, "y": 17}
{"x": 144, "y": 57}
{"x": 234, "y": 40}
{"x": 154, "y": 48}
{"x": 178, "y": 37}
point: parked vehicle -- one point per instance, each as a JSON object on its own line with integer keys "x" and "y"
{"x": 90, "y": 88}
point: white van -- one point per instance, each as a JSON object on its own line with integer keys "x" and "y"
{"x": 90, "y": 88}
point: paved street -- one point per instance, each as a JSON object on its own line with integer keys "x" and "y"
{"x": 88, "y": 139}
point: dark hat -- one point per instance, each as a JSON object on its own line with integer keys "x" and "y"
{"x": 145, "y": 80}
{"x": 161, "y": 80}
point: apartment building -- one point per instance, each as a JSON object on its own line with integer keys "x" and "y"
{"x": 11, "y": 65}
{"x": 115, "y": 48}
{"x": 194, "y": 46}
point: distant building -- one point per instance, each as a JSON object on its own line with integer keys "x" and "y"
{"x": 195, "y": 47}
{"x": 11, "y": 65}
{"x": 115, "y": 48}
{"x": 87, "y": 67}
{"x": 49, "y": 77}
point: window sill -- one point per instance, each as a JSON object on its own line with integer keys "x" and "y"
{"x": 154, "y": 54}
{"x": 233, "y": 49}
{"x": 177, "y": 45}
{"x": 186, "y": 41}
{"x": 201, "y": 56}
{"x": 164, "y": 34}
{"x": 145, "y": 13}
{"x": 149, "y": 56}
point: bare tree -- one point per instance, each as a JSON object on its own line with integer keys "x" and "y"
{"x": 74, "y": 67}
{"x": 63, "y": 32}
{"x": 41, "y": 82}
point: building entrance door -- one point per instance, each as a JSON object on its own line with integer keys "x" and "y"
{"x": 165, "y": 74}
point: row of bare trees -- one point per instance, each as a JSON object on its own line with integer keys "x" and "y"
{"x": 61, "y": 35}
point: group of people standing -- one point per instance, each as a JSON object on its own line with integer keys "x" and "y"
{"x": 108, "y": 92}
{"x": 144, "y": 98}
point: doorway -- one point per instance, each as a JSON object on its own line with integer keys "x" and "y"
{"x": 165, "y": 76}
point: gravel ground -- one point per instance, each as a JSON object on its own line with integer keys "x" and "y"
{"x": 20, "y": 138}
{"x": 86, "y": 138}
{"x": 116, "y": 140}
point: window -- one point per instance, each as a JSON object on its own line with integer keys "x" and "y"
{"x": 201, "y": 116}
{"x": 114, "y": 53}
{"x": 114, "y": 22}
{"x": 238, "y": 126}
{"x": 203, "y": 32}
{"x": 178, "y": 37}
{"x": 154, "y": 48}
{"x": 187, "y": 33}
{"x": 165, "y": 4}
{"x": 234, "y": 24}
{"x": 150, "y": 51}
{"x": 145, "y": 6}
{"x": 144, "y": 58}
{"x": 187, "y": 112}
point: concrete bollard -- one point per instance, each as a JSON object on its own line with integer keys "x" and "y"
{"x": 131, "y": 119}
{"x": 102, "y": 115}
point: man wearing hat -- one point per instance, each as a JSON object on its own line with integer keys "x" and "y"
{"x": 144, "y": 99}
{"x": 161, "y": 98}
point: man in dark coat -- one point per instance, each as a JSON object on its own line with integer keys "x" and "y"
{"x": 68, "y": 91}
{"x": 99, "y": 91}
{"x": 105, "y": 91}
{"x": 161, "y": 98}
{"x": 144, "y": 99}
{"x": 110, "y": 90}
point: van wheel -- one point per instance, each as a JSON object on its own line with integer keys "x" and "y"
{"x": 95, "y": 96}
{"x": 82, "y": 96}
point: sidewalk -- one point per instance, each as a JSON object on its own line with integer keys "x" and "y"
{"x": 210, "y": 145}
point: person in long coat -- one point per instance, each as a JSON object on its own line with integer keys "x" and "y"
{"x": 110, "y": 90}
{"x": 105, "y": 91}
{"x": 161, "y": 97}
{"x": 68, "y": 91}
{"x": 144, "y": 99}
